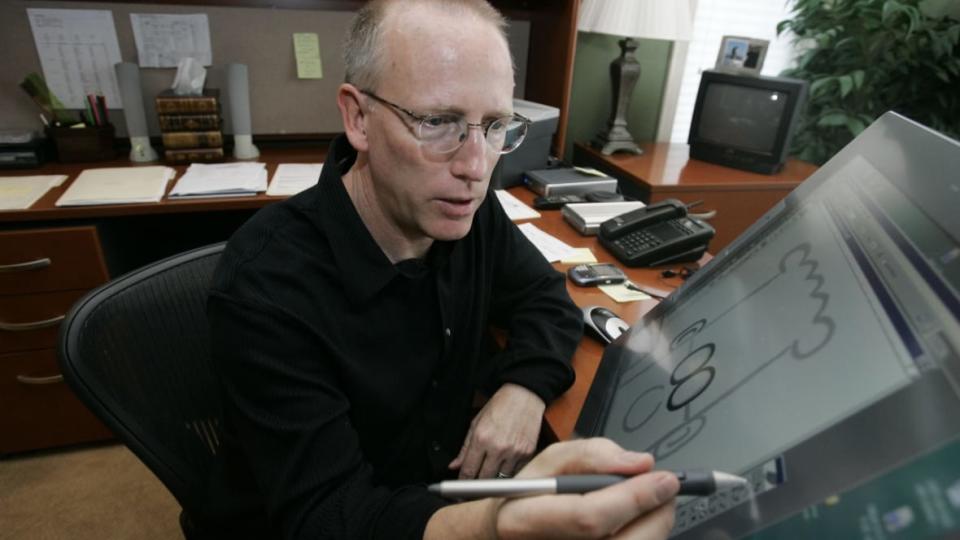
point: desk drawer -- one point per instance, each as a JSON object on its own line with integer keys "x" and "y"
{"x": 31, "y": 321}
{"x": 50, "y": 260}
{"x": 37, "y": 409}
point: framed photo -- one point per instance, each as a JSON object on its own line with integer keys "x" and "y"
{"x": 741, "y": 55}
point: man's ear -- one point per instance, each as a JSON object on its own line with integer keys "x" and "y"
{"x": 354, "y": 118}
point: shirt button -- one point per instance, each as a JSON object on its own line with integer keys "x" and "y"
{"x": 435, "y": 445}
{"x": 433, "y": 383}
{"x": 447, "y": 331}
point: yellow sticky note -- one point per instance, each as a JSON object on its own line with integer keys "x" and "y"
{"x": 622, "y": 294}
{"x": 580, "y": 256}
{"x": 306, "y": 48}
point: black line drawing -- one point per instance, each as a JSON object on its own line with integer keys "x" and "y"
{"x": 693, "y": 374}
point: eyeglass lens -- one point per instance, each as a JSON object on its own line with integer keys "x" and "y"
{"x": 447, "y": 132}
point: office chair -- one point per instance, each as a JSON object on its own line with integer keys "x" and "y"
{"x": 136, "y": 351}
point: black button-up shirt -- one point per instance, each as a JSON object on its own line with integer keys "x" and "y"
{"x": 348, "y": 380}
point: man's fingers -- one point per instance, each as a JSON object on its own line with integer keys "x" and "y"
{"x": 656, "y": 524}
{"x": 458, "y": 461}
{"x": 587, "y": 456}
{"x": 616, "y": 506}
{"x": 491, "y": 466}
{"x": 599, "y": 514}
{"x": 472, "y": 461}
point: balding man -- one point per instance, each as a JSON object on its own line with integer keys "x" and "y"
{"x": 350, "y": 323}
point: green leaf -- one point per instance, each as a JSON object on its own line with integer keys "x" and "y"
{"x": 857, "y": 77}
{"x": 833, "y": 119}
{"x": 855, "y": 126}
{"x": 846, "y": 85}
{"x": 815, "y": 88}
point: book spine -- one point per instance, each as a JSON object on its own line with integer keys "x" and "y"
{"x": 190, "y": 105}
{"x": 192, "y": 139}
{"x": 188, "y": 155}
{"x": 189, "y": 122}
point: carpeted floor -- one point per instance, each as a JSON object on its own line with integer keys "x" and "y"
{"x": 101, "y": 492}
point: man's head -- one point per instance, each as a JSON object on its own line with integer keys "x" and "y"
{"x": 424, "y": 57}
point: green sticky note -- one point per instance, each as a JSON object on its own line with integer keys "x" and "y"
{"x": 306, "y": 48}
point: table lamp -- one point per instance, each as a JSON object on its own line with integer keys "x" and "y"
{"x": 651, "y": 19}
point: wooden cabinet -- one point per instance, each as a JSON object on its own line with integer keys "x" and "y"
{"x": 42, "y": 273}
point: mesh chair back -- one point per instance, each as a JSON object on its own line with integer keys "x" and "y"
{"x": 136, "y": 351}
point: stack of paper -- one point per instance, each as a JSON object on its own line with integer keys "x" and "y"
{"x": 119, "y": 185}
{"x": 221, "y": 180}
{"x": 292, "y": 178}
{"x": 20, "y": 192}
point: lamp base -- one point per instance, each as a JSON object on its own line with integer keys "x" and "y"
{"x": 624, "y": 73}
{"x": 618, "y": 139}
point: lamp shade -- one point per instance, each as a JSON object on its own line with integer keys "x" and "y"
{"x": 651, "y": 19}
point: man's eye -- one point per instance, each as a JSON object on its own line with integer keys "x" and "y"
{"x": 439, "y": 120}
{"x": 499, "y": 124}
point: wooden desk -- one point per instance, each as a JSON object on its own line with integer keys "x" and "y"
{"x": 665, "y": 171}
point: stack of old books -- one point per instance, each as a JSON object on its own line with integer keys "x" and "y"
{"x": 190, "y": 126}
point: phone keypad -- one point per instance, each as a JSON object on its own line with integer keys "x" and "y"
{"x": 637, "y": 241}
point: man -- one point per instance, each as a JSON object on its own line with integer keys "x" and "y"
{"x": 350, "y": 322}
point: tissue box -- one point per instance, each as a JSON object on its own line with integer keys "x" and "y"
{"x": 534, "y": 152}
{"x": 89, "y": 143}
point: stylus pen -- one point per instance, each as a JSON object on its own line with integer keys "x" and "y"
{"x": 693, "y": 482}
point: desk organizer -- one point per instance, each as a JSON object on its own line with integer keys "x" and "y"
{"x": 91, "y": 143}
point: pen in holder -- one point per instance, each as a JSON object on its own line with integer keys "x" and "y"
{"x": 88, "y": 143}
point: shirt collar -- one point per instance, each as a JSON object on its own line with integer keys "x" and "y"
{"x": 363, "y": 266}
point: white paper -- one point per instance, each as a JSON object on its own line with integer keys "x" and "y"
{"x": 162, "y": 40}
{"x": 221, "y": 180}
{"x": 551, "y": 247}
{"x": 21, "y": 192}
{"x": 292, "y": 178}
{"x": 514, "y": 207}
{"x": 119, "y": 185}
{"x": 77, "y": 50}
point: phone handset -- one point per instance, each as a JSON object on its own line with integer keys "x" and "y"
{"x": 628, "y": 222}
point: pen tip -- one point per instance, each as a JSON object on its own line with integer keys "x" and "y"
{"x": 729, "y": 479}
{"x": 434, "y": 488}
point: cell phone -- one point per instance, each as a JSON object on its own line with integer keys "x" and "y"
{"x": 553, "y": 202}
{"x": 588, "y": 275}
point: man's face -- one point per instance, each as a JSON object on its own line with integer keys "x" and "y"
{"x": 436, "y": 63}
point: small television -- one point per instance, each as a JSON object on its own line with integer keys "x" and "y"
{"x": 745, "y": 121}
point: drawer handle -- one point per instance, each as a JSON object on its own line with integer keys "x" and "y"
{"x": 35, "y": 325}
{"x": 24, "y": 266}
{"x": 52, "y": 379}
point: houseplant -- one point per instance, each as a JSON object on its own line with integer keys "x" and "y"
{"x": 865, "y": 57}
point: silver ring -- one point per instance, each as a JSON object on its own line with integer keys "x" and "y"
{"x": 502, "y": 475}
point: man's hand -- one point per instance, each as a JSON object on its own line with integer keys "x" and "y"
{"x": 641, "y": 507}
{"x": 502, "y": 435}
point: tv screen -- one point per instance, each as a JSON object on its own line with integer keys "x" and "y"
{"x": 743, "y": 121}
{"x": 742, "y": 117}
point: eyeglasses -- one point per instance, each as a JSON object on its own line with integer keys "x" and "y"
{"x": 446, "y": 132}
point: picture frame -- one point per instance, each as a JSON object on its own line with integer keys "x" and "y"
{"x": 742, "y": 55}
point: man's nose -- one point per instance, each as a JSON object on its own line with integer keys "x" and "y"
{"x": 470, "y": 160}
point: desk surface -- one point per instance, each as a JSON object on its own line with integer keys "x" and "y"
{"x": 45, "y": 209}
{"x": 668, "y": 165}
{"x": 561, "y": 415}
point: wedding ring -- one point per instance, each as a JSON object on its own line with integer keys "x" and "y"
{"x": 502, "y": 475}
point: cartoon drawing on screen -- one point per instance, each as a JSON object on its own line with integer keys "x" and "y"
{"x": 692, "y": 352}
